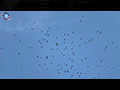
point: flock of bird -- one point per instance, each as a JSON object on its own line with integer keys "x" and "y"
{"x": 68, "y": 65}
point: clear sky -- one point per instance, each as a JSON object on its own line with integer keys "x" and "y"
{"x": 88, "y": 46}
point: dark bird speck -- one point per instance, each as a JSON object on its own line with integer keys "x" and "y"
{"x": 82, "y": 16}
{"x": 72, "y": 42}
{"x": 1, "y": 48}
{"x": 97, "y": 31}
{"x": 46, "y": 68}
{"x": 81, "y": 59}
{"x": 115, "y": 47}
{"x": 63, "y": 42}
{"x": 14, "y": 35}
{"x": 112, "y": 42}
{"x": 67, "y": 34}
{"x": 32, "y": 28}
{"x": 71, "y": 48}
{"x": 48, "y": 35}
{"x": 46, "y": 40}
{"x": 19, "y": 40}
{"x": 78, "y": 75}
{"x": 19, "y": 53}
{"x": 71, "y": 75}
{"x": 37, "y": 56}
{"x": 39, "y": 65}
{"x": 85, "y": 57}
{"x": 80, "y": 21}
{"x": 46, "y": 57}
{"x": 100, "y": 32}
{"x": 79, "y": 45}
{"x": 56, "y": 37}
{"x": 64, "y": 39}
{"x": 64, "y": 71}
{"x": 72, "y": 32}
{"x": 98, "y": 73}
{"x": 85, "y": 42}
{"x": 56, "y": 44}
{"x": 48, "y": 28}
{"x": 87, "y": 66}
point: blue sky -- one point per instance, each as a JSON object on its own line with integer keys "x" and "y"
{"x": 26, "y": 65}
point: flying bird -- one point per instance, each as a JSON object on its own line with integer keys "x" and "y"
{"x": 100, "y": 32}
{"x": 56, "y": 44}
{"x": 1, "y": 48}
{"x": 72, "y": 32}
{"x": 82, "y": 16}
{"x": 37, "y": 56}
{"x": 19, "y": 40}
{"x": 48, "y": 28}
{"x": 58, "y": 27}
{"x": 14, "y": 35}
{"x": 97, "y": 31}
{"x": 19, "y": 53}
{"x": 32, "y": 28}
{"x": 46, "y": 57}
{"x": 80, "y": 21}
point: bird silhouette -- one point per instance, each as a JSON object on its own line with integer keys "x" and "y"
{"x": 72, "y": 42}
{"x": 19, "y": 40}
{"x": 29, "y": 48}
{"x": 37, "y": 56}
{"x": 80, "y": 21}
{"x": 58, "y": 27}
{"x": 85, "y": 42}
{"x": 19, "y": 53}
{"x": 82, "y": 16}
{"x": 48, "y": 27}
{"x": 97, "y": 31}
{"x": 100, "y": 32}
{"x": 46, "y": 57}
{"x": 56, "y": 44}
{"x": 97, "y": 65}
{"x": 1, "y": 48}
{"x": 14, "y": 35}
{"x": 32, "y": 28}
{"x": 65, "y": 34}
{"x": 56, "y": 37}
{"x": 71, "y": 75}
